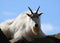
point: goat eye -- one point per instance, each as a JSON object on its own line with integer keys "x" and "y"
{"x": 37, "y": 16}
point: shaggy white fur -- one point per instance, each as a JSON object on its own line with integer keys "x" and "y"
{"x": 22, "y": 26}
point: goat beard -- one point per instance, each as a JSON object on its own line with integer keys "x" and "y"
{"x": 35, "y": 30}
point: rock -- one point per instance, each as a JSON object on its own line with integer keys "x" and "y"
{"x": 3, "y": 38}
{"x": 47, "y": 39}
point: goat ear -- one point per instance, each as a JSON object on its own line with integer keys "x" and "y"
{"x": 40, "y": 14}
{"x": 29, "y": 15}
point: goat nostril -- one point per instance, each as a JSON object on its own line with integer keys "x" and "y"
{"x": 36, "y": 25}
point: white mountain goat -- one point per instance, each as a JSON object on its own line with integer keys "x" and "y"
{"x": 26, "y": 25}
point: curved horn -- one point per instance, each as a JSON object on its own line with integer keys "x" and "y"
{"x": 37, "y": 9}
{"x": 30, "y": 10}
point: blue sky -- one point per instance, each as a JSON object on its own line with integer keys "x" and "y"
{"x": 50, "y": 20}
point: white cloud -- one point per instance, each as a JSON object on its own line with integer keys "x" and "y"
{"x": 47, "y": 27}
{"x": 7, "y": 13}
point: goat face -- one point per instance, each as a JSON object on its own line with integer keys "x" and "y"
{"x": 34, "y": 21}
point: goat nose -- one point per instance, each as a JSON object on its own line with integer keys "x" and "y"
{"x": 36, "y": 25}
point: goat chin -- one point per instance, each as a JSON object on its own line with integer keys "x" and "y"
{"x": 38, "y": 33}
{"x": 35, "y": 31}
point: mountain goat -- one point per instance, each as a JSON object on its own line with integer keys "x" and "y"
{"x": 26, "y": 25}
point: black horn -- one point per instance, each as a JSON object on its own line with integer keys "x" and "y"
{"x": 37, "y": 10}
{"x": 30, "y": 10}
